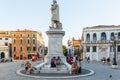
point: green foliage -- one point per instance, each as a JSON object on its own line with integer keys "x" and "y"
{"x": 64, "y": 50}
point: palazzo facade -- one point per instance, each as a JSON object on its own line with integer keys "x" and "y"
{"x": 98, "y": 42}
{"x": 26, "y": 43}
{"x": 21, "y": 44}
{"x": 5, "y": 45}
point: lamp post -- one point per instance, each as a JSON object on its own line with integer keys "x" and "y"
{"x": 114, "y": 65}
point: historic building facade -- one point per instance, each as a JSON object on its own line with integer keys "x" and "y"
{"x": 70, "y": 49}
{"x": 5, "y": 45}
{"x": 26, "y": 43}
{"x": 98, "y": 42}
{"x": 74, "y": 47}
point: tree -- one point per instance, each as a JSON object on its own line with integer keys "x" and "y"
{"x": 64, "y": 50}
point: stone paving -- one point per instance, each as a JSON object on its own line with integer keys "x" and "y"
{"x": 102, "y": 71}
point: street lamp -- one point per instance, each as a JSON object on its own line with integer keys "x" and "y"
{"x": 114, "y": 65}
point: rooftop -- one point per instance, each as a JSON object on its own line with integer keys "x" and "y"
{"x": 102, "y": 26}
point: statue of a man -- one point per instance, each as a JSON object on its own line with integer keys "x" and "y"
{"x": 55, "y": 13}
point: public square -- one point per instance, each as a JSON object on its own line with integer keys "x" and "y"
{"x": 102, "y": 71}
{"x": 60, "y": 34}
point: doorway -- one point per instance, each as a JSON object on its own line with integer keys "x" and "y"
{"x": 2, "y": 55}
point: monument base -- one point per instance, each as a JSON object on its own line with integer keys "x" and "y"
{"x": 48, "y": 58}
{"x": 58, "y": 69}
{"x": 55, "y": 49}
{"x": 55, "y": 37}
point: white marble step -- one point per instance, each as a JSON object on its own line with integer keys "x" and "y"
{"x": 64, "y": 68}
{"x": 54, "y": 71}
{"x": 58, "y": 69}
{"x": 48, "y": 66}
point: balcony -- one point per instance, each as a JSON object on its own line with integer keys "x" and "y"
{"x": 99, "y": 42}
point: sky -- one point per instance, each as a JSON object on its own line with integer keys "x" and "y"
{"x": 74, "y": 15}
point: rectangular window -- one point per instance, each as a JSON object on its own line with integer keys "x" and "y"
{"x": 20, "y": 35}
{"x": 118, "y": 49}
{"x": 33, "y": 41}
{"x": 20, "y": 48}
{"x": 20, "y": 41}
{"x": 6, "y": 44}
{"x": 111, "y": 48}
{"x": 14, "y": 48}
{"x": 14, "y": 40}
{"x": 88, "y": 48}
{"x": 28, "y": 41}
{"x": 34, "y": 48}
{"x": 28, "y": 48}
{"x": 94, "y": 49}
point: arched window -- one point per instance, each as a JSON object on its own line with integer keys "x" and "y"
{"x": 112, "y": 36}
{"x": 33, "y": 41}
{"x": 14, "y": 40}
{"x": 118, "y": 35}
{"x": 20, "y": 35}
{"x": 21, "y": 48}
{"x": 94, "y": 37}
{"x": 14, "y": 48}
{"x": 88, "y": 37}
{"x": 21, "y": 41}
{"x": 28, "y": 41}
{"x": 103, "y": 36}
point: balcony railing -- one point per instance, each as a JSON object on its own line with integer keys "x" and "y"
{"x": 100, "y": 41}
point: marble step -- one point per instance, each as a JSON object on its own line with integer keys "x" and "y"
{"x": 61, "y": 68}
{"x": 54, "y": 71}
{"x": 48, "y": 66}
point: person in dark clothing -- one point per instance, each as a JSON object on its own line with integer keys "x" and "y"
{"x": 53, "y": 63}
{"x": 108, "y": 61}
{"x": 88, "y": 59}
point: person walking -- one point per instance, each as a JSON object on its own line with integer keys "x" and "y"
{"x": 88, "y": 59}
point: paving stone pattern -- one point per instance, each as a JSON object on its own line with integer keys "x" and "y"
{"x": 102, "y": 71}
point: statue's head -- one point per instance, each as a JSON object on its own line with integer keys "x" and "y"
{"x": 54, "y": 1}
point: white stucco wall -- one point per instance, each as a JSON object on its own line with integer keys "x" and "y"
{"x": 103, "y": 48}
{"x": 4, "y": 48}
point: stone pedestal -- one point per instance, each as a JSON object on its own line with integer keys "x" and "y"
{"x": 55, "y": 37}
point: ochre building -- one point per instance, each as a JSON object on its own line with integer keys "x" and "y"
{"x": 74, "y": 48}
{"x": 26, "y": 43}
